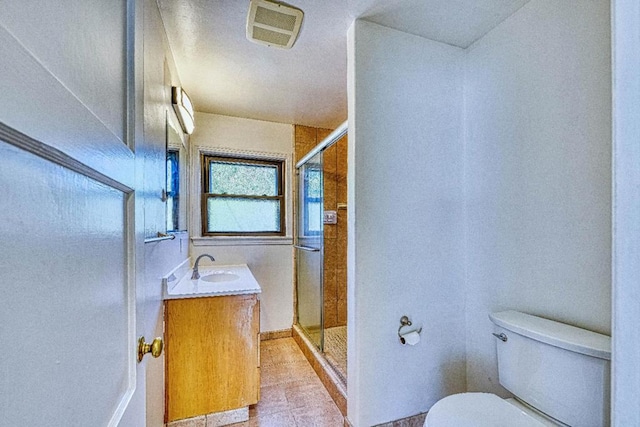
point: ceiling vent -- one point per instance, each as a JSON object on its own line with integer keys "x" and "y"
{"x": 273, "y": 24}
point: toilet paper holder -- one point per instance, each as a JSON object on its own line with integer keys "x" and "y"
{"x": 405, "y": 322}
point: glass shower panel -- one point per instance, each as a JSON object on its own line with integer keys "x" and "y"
{"x": 310, "y": 249}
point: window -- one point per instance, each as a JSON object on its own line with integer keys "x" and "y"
{"x": 312, "y": 201}
{"x": 173, "y": 190}
{"x": 242, "y": 196}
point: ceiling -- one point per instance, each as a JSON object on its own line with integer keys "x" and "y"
{"x": 226, "y": 74}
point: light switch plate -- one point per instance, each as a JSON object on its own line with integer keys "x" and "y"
{"x": 330, "y": 217}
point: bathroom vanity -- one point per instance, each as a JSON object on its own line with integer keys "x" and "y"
{"x": 212, "y": 336}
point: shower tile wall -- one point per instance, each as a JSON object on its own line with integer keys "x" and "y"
{"x": 341, "y": 235}
{"x": 335, "y": 236}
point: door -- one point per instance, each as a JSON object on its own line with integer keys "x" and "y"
{"x": 67, "y": 215}
{"x": 310, "y": 249}
{"x": 67, "y": 306}
{"x": 626, "y": 213}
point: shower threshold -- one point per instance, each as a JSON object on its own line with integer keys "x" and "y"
{"x": 331, "y": 378}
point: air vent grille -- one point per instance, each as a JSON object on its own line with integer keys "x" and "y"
{"x": 275, "y": 19}
{"x": 271, "y": 37}
{"x": 273, "y": 24}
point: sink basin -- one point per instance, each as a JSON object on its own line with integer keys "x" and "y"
{"x": 216, "y": 280}
{"x": 220, "y": 276}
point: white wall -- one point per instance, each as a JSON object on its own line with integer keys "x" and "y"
{"x": 626, "y": 212}
{"x": 405, "y": 253}
{"x": 538, "y": 175}
{"x": 270, "y": 259}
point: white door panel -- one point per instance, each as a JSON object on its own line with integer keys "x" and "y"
{"x": 70, "y": 227}
{"x": 67, "y": 319}
{"x": 81, "y": 44}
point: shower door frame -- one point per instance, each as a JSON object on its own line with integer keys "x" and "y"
{"x": 318, "y": 150}
{"x": 305, "y": 249}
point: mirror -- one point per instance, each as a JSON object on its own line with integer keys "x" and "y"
{"x": 176, "y": 173}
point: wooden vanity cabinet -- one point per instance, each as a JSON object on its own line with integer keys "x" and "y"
{"x": 212, "y": 359}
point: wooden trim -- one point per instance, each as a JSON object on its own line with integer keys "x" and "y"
{"x": 195, "y": 184}
{"x": 206, "y": 158}
{"x": 203, "y": 200}
{"x": 243, "y": 196}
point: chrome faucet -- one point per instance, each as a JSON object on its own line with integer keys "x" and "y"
{"x": 196, "y": 275}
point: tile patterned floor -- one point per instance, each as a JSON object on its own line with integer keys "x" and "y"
{"x": 335, "y": 350}
{"x": 291, "y": 394}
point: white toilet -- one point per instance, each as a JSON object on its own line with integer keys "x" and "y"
{"x": 558, "y": 373}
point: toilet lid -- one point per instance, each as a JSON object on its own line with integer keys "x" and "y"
{"x": 477, "y": 410}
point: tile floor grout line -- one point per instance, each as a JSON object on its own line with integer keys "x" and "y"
{"x": 292, "y": 394}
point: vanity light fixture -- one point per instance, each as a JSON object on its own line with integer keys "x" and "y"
{"x": 184, "y": 109}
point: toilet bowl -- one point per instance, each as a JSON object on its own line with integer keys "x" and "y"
{"x": 483, "y": 410}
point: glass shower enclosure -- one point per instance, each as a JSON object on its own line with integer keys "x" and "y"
{"x": 309, "y": 248}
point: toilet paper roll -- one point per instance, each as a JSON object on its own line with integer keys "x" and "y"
{"x": 411, "y": 338}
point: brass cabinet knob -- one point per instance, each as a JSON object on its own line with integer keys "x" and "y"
{"x": 155, "y": 348}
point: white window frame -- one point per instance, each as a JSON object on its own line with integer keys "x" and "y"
{"x": 195, "y": 215}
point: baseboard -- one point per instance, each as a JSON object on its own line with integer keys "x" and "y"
{"x": 412, "y": 421}
{"x": 274, "y": 335}
{"x": 214, "y": 419}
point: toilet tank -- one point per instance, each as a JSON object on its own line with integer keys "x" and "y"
{"x": 558, "y": 369}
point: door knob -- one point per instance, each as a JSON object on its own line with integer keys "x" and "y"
{"x": 155, "y": 348}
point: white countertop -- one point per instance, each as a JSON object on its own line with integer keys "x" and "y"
{"x": 228, "y": 280}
